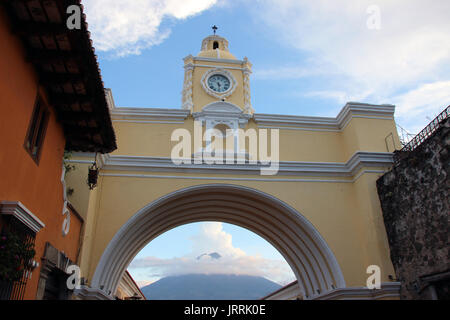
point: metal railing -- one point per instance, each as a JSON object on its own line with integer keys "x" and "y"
{"x": 427, "y": 131}
{"x": 404, "y": 135}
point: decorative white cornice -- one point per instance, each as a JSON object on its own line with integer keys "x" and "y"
{"x": 219, "y": 60}
{"x": 189, "y": 67}
{"x": 187, "y": 58}
{"x": 388, "y": 290}
{"x": 87, "y": 293}
{"x": 219, "y": 66}
{"x": 109, "y": 99}
{"x": 289, "y": 292}
{"x": 221, "y": 111}
{"x": 221, "y": 107}
{"x": 287, "y": 168}
{"x": 289, "y": 122}
{"x": 21, "y": 213}
{"x": 150, "y": 115}
{"x": 350, "y": 110}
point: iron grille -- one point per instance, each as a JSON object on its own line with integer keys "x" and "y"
{"x": 427, "y": 132}
{"x": 15, "y": 290}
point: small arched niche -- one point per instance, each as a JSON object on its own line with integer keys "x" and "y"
{"x": 222, "y": 127}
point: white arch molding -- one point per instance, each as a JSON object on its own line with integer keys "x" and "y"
{"x": 304, "y": 249}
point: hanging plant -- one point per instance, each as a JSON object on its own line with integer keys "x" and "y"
{"x": 69, "y": 167}
{"x": 15, "y": 256}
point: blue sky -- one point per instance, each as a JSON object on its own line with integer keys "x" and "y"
{"x": 154, "y": 78}
{"x": 309, "y": 58}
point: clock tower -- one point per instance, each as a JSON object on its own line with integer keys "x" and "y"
{"x": 216, "y": 80}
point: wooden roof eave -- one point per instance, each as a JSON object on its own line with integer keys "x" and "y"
{"x": 67, "y": 67}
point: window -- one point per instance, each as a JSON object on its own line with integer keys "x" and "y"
{"x": 215, "y": 45}
{"x": 55, "y": 286}
{"x": 15, "y": 272}
{"x": 36, "y": 130}
{"x": 53, "y": 278}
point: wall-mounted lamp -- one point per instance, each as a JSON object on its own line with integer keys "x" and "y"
{"x": 93, "y": 175}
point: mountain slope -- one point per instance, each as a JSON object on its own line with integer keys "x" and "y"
{"x": 209, "y": 287}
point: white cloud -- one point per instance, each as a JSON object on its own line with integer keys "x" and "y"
{"x": 127, "y": 27}
{"x": 144, "y": 283}
{"x": 212, "y": 238}
{"x": 411, "y": 48}
{"x": 419, "y": 106}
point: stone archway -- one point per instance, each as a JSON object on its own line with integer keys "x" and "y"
{"x": 310, "y": 258}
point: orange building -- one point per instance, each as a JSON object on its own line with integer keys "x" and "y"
{"x": 51, "y": 100}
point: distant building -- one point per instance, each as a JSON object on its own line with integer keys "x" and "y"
{"x": 288, "y": 292}
{"x": 128, "y": 289}
{"x": 387, "y": 291}
{"x": 51, "y": 100}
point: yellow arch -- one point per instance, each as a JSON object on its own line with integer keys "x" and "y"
{"x": 304, "y": 249}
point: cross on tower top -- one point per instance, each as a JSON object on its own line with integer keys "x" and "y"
{"x": 214, "y": 27}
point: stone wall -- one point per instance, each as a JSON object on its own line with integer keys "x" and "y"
{"x": 414, "y": 198}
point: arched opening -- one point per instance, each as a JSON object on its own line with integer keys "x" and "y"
{"x": 215, "y": 45}
{"x": 301, "y": 245}
{"x": 209, "y": 261}
{"x": 222, "y": 128}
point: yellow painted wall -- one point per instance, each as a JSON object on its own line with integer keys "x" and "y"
{"x": 201, "y": 98}
{"x": 154, "y": 139}
{"x": 347, "y": 215}
{"x": 346, "y": 212}
{"x": 77, "y": 180}
{"x": 349, "y": 228}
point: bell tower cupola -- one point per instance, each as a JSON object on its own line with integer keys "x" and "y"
{"x": 215, "y": 78}
{"x": 215, "y": 46}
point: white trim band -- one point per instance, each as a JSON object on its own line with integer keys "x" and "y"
{"x": 148, "y": 176}
{"x": 293, "y": 168}
{"x": 21, "y": 213}
{"x": 350, "y": 110}
{"x": 87, "y": 293}
{"x": 149, "y": 115}
{"x": 388, "y": 290}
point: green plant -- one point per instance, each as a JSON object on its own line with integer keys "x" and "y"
{"x": 15, "y": 256}
{"x": 70, "y": 191}
{"x": 69, "y": 167}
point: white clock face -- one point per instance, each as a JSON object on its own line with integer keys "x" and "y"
{"x": 218, "y": 83}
